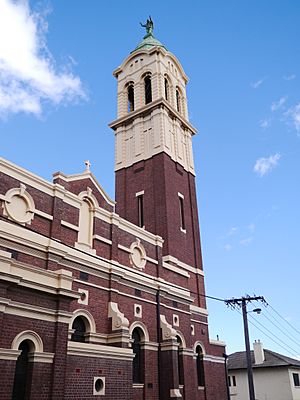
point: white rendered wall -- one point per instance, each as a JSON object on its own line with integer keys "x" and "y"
{"x": 269, "y": 384}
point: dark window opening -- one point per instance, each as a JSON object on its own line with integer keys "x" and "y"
{"x": 296, "y": 379}
{"x": 200, "y": 367}
{"x": 140, "y": 199}
{"x": 229, "y": 381}
{"x": 130, "y": 96}
{"x": 233, "y": 381}
{"x": 180, "y": 362}
{"x": 166, "y": 89}
{"x": 178, "y": 100}
{"x": 181, "y": 209}
{"x": 148, "y": 90}
{"x": 21, "y": 373}
{"x": 137, "y": 361}
{"x": 79, "y": 330}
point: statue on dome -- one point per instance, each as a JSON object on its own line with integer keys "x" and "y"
{"x": 148, "y": 25}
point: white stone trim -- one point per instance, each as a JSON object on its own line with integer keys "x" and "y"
{"x": 87, "y": 317}
{"x": 102, "y": 239}
{"x": 11, "y": 213}
{"x": 170, "y": 259}
{"x": 176, "y": 269}
{"x": 199, "y": 322}
{"x": 143, "y": 328}
{"x": 138, "y": 385}
{"x": 199, "y": 343}
{"x": 68, "y": 225}
{"x": 32, "y": 336}
{"x": 46, "y": 358}
{"x": 25, "y": 237}
{"x": 99, "y": 351}
{"x": 140, "y": 193}
{"x": 43, "y": 214}
{"x": 85, "y": 175}
{"x": 25, "y": 310}
{"x": 54, "y": 282}
{"x": 175, "y": 393}
{"x": 198, "y": 310}
{"x": 100, "y": 392}
{"x": 35, "y": 181}
{"x": 168, "y": 332}
{"x": 217, "y": 342}
{"x": 214, "y": 359}
{"x": 85, "y": 300}
{"x": 181, "y": 195}
{"x": 152, "y": 346}
{"x": 119, "y": 321}
{"x": 9, "y": 354}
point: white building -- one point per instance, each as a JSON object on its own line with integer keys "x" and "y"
{"x": 276, "y": 377}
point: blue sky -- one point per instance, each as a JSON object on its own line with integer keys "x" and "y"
{"x": 57, "y": 96}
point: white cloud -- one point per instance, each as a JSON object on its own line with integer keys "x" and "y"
{"x": 289, "y": 77}
{"x": 276, "y": 105}
{"x": 251, "y": 227}
{"x": 294, "y": 114}
{"x": 257, "y": 84}
{"x": 265, "y": 123}
{"x": 227, "y": 247}
{"x": 28, "y": 73}
{"x": 232, "y": 231}
{"x": 264, "y": 165}
{"x": 246, "y": 241}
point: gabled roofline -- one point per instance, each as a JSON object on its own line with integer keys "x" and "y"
{"x": 85, "y": 175}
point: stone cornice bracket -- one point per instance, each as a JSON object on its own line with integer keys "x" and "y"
{"x": 168, "y": 333}
{"x": 119, "y": 321}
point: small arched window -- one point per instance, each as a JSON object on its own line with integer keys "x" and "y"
{"x": 137, "y": 376}
{"x": 180, "y": 361}
{"x": 200, "y": 366}
{"x": 167, "y": 89}
{"x": 148, "y": 89}
{"x": 130, "y": 97}
{"x": 21, "y": 380}
{"x": 79, "y": 330}
{"x": 178, "y": 100}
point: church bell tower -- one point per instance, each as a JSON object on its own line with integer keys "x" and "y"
{"x": 155, "y": 189}
{"x": 155, "y": 175}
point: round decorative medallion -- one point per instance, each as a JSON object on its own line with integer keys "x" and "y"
{"x": 137, "y": 255}
{"x": 19, "y": 205}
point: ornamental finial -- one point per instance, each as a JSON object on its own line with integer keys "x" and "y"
{"x": 87, "y": 165}
{"x": 148, "y": 25}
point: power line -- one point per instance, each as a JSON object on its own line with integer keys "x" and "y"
{"x": 259, "y": 323}
{"x": 282, "y": 330}
{"x": 284, "y": 319}
{"x": 268, "y": 336}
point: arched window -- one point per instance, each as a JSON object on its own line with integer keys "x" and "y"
{"x": 137, "y": 376}
{"x": 200, "y": 366}
{"x": 178, "y": 100}
{"x": 130, "y": 97}
{"x": 79, "y": 330}
{"x": 148, "y": 89}
{"x": 180, "y": 361}
{"x": 167, "y": 89}
{"x": 21, "y": 379}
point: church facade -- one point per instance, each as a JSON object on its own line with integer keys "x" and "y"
{"x": 102, "y": 298}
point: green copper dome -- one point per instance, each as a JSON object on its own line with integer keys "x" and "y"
{"x": 149, "y": 40}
